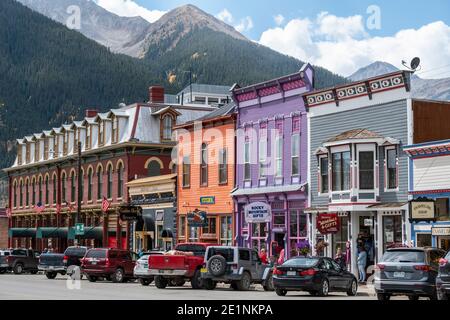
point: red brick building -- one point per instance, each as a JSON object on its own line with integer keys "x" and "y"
{"x": 117, "y": 146}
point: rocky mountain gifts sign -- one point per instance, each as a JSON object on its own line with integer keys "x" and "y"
{"x": 258, "y": 212}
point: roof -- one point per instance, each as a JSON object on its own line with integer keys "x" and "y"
{"x": 222, "y": 111}
{"x": 252, "y": 191}
{"x": 388, "y": 205}
{"x": 355, "y": 134}
{"x": 170, "y": 98}
{"x": 207, "y": 88}
{"x": 151, "y": 180}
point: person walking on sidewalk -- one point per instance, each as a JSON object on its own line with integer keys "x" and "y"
{"x": 362, "y": 262}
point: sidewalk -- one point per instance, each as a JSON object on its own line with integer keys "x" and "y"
{"x": 366, "y": 290}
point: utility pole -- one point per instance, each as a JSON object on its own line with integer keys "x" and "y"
{"x": 80, "y": 182}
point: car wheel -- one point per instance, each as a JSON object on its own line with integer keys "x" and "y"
{"x": 324, "y": 288}
{"x": 208, "y": 284}
{"x": 233, "y": 286}
{"x": 441, "y": 295}
{"x": 353, "y": 289}
{"x": 160, "y": 282}
{"x": 217, "y": 265}
{"x": 2, "y": 271}
{"x": 413, "y": 298}
{"x": 50, "y": 275}
{"x": 118, "y": 276}
{"x": 196, "y": 281}
{"x": 92, "y": 278}
{"x": 144, "y": 282}
{"x": 383, "y": 296}
{"x": 268, "y": 285}
{"x": 245, "y": 282}
{"x": 281, "y": 292}
{"x": 18, "y": 268}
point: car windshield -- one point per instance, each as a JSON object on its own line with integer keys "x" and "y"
{"x": 404, "y": 256}
{"x": 144, "y": 257}
{"x": 77, "y": 252}
{"x": 19, "y": 252}
{"x": 448, "y": 256}
{"x": 96, "y": 254}
{"x": 301, "y": 262}
{"x": 227, "y": 253}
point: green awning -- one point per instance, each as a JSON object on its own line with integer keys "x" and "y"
{"x": 89, "y": 233}
{"x": 52, "y": 232}
{"x": 22, "y": 233}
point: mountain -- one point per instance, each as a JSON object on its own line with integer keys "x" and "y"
{"x": 437, "y": 89}
{"x": 121, "y": 34}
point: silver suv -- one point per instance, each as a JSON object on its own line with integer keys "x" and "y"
{"x": 237, "y": 266}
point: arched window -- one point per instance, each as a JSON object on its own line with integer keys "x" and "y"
{"x": 90, "y": 183}
{"x": 54, "y": 189}
{"x": 73, "y": 187}
{"x": 154, "y": 169}
{"x": 33, "y": 191}
{"x": 167, "y": 127}
{"x": 204, "y": 166}
{"x": 82, "y": 186}
{"x": 40, "y": 190}
{"x": 15, "y": 194}
{"x": 27, "y": 193}
{"x": 120, "y": 180}
{"x": 47, "y": 192}
{"x": 21, "y": 193}
{"x": 99, "y": 183}
{"x": 110, "y": 181}
{"x": 63, "y": 187}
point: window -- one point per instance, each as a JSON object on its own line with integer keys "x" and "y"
{"x": 341, "y": 171}
{"x": 223, "y": 166}
{"x": 366, "y": 170}
{"x": 47, "y": 190}
{"x": 120, "y": 181}
{"x": 81, "y": 186}
{"x": 73, "y": 187}
{"x": 88, "y": 137}
{"x": 65, "y": 142}
{"x": 186, "y": 172}
{"x": 167, "y": 127}
{"x": 442, "y": 209}
{"x": 391, "y": 168}
{"x": 15, "y": 195}
{"x": 226, "y": 231}
{"x": 21, "y": 193}
{"x": 298, "y": 224}
{"x": 259, "y": 235}
{"x": 45, "y": 148}
{"x": 90, "y": 184}
{"x": 182, "y": 227}
{"x": 211, "y": 227}
{"x": 323, "y": 174}
{"x": 295, "y": 154}
{"x": 247, "y": 175}
{"x": 56, "y": 146}
{"x": 262, "y": 156}
{"x": 76, "y": 138}
{"x": 99, "y": 183}
{"x": 54, "y": 189}
{"x": 27, "y": 155}
{"x": 114, "y": 129}
{"x": 27, "y": 194}
{"x": 194, "y": 234}
{"x": 63, "y": 188}
{"x": 153, "y": 169}
{"x": 19, "y": 154}
{"x": 37, "y": 151}
{"x": 279, "y": 156}
{"x": 392, "y": 226}
{"x": 33, "y": 190}
{"x": 101, "y": 132}
{"x": 204, "y": 166}
{"x": 110, "y": 182}
{"x": 40, "y": 190}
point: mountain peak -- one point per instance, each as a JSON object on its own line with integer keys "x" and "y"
{"x": 372, "y": 70}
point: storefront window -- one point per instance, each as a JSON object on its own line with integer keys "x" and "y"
{"x": 182, "y": 227}
{"x": 211, "y": 227}
{"x": 442, "y": 211}
{"x": 259, "y": 235}
{"x": 341, "y": 237}
{"x": 226, "y": 231}
{"x": 298, "y": 224}
{"x": 279, "y": 220}
{"x": 423, "y": 240}
{"x": 392, "y": 226}
{"x": 194, "y": 234}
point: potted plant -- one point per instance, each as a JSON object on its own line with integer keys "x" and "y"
{"x": 304, "y": 248}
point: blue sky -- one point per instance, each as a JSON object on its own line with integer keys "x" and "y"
{"x": 333, "y": 34}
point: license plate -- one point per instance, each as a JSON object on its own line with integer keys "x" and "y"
{"x": 51, "y": 267}
{"x": 399, "y": 274}
{"x": 94, "y": 262}
{"x": 165, "y": 271}
{"x": 203, "y": 270}
{"x": 291, "y": 273}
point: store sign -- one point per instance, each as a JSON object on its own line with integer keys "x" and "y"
{"x": 197, "y": 218}
{"x": 207, "y": 200}
{"x": 327, "y": 223}
{"x": 422, "y": 210}
{"x": 440, "y": 231}
{"x": 258, "y": 212}
{"x": 130, "y": 213}
{"x": 368, "y": 222}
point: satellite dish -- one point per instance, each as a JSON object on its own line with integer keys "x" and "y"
{"x": 415, "y": 63}
{"x": 122, "y": 105}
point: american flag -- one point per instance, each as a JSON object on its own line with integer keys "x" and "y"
{"x": 39, "y": 207}
{"x": 105, "y": 205}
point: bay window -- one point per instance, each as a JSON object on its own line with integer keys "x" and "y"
{"x": 323, "y": 163}
{"x": 340, "y": 171}
{"x": 391, "y": 168}
{"x": 366, "y": 170}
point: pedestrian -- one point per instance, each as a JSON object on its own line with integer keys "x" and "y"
{"x": 45, "y": 250}
{"x": 340, "y": 259}
{"x": 362, "y": 261}
{"x": 263, "y": 256}
{"x": 281, "y": 258}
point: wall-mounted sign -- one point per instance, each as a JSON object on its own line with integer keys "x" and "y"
{"x": 258, "y": 212}
{"x": 368, "y": 222}
{"x": 422, "y": 210}
{"x": 208, "y": 200}
{"x": 130, "y": 213}
{"x": 327, "y": 223}
{"x": 197, "y": 218}
{"x": 440, "y": 231}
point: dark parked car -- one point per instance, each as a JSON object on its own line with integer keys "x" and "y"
{"x": 54, "y": 263}
{"x": 3, "y": 265}
{"x": 408, "y": 271}
{"x": 20, "y": 261}
{"x": 443, "y": 278}
{"x": 111, "y": 264}
{"x": 316, "y": 275}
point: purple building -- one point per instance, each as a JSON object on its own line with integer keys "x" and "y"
{"x": 271, "y": 163}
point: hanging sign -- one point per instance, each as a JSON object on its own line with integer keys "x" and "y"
{"x": 327, "y": 223}
{"x": 258, "y": 212}
{"x": 197, "y": 218}
{"x": 422, "y": 210}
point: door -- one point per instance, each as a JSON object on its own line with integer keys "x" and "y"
{"x": 342, "y": 280}
{"x": 257, "y": 266}
{"x": 333, "y": 275}
{"x": 127, "y": 262}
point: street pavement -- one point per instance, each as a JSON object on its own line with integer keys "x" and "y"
{"x": 38, "y": 287}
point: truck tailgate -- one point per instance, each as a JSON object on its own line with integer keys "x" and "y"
{"x": 166, "y": 262}
{"x": 55, "y": 260}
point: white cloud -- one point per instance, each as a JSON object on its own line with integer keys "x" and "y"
{"x": 129, "y": 8}
{"x": 279, "y": 19}
{"x": 225, "y": 16}
{"x": 341, "y": 44}
{"x": 246, "y": 24}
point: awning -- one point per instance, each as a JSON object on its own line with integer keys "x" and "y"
{"x": 52, "y": 232}
{"x": 167, "y": 233}
{"x": 22, "y": 233}
{"x": 389, "y": 206}
{"x": 316, "y": 210}
{"x": 275, "y": 189}
{"x": 89, "y": 233}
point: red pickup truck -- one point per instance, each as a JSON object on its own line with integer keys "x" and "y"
{"x": 180, "y": 265}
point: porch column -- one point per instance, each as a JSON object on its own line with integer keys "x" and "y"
{"x": 353, "y": 238}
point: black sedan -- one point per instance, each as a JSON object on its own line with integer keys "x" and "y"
{"x": 316, "y": 275}
{"x": 443, "y": 278}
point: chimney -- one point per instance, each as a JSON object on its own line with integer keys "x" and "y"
{"x": 156, "y": 94}
{"x": 90, "y": 113}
